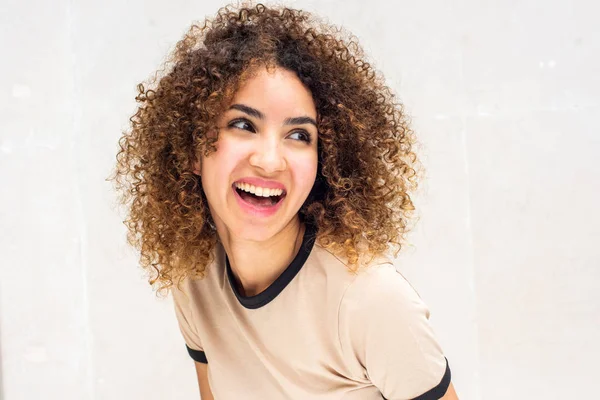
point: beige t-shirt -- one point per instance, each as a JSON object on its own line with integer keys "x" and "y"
{"x": 318, "y": 332}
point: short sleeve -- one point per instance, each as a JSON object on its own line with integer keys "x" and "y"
{"x": 184, "y": 314}
{"x": 386, "y": 337}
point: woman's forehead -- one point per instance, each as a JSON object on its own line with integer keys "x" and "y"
{"x": 277, "y": 93}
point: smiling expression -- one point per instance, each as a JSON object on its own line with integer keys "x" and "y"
{"x": 268, "y": 138}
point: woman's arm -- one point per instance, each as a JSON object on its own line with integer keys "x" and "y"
{"x": 450, "y": 393}
{"x": 205, "y": 393}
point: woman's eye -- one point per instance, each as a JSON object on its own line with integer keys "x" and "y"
{"x": 242, "y": 124}
{"x": 303, "y": 136}
{"x": 247, "y": 126}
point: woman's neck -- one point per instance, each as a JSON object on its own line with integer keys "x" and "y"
{"x": 256, "y": 265}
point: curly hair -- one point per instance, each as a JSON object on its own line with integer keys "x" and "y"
{"x": 366, "y": 161}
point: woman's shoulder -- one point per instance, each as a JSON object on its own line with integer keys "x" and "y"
{"x": 365, "y": 261}
{"x": 193, "y": 285}
{"x": 380, "y": 283}
{"x": 371, "y": 273}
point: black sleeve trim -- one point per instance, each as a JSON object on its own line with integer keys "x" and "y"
{"x": 197, "y": 355}
{"x": 440, "y": 390}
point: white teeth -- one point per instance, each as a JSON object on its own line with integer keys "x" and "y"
{"x": 258, "y": 191}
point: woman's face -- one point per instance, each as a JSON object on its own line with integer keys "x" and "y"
{"x": 268, "y": 139}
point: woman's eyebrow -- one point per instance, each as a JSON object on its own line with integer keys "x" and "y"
{"x": 257, "y": 114}
{"x": 300, "y": 121}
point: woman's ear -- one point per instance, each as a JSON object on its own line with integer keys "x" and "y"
{"x": 197, "y": 167}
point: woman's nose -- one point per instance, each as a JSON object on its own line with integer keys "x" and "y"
{"x": 268, "y": 155}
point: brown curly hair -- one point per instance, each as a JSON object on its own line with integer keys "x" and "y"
{"x": 367, "y": 166}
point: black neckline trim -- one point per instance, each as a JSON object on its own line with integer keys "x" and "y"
{"x": 267, "y": 295}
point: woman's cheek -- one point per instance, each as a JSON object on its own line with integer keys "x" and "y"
{"x": 306, "y": 173}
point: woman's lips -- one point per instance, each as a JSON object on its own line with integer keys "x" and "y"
{"x": 261, "y": 183}
{"x": 254, "y": 210}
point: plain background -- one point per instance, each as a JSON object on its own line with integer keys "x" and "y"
{"x": 504, "y": 95}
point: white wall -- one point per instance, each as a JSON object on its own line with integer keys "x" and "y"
{"x": 504, "y": 96}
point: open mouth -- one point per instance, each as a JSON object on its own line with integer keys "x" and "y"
{"x": 259, "y": 201}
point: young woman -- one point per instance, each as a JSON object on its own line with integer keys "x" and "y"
{"x": 269, "y": 173}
